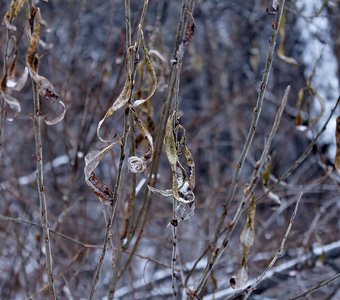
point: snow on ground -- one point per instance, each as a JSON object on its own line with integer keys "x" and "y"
{"x": 312, "y": 29}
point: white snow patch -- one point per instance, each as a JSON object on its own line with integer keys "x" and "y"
{"x": 325, "y": 80}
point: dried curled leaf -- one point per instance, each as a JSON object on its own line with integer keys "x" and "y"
{"x": 189, "y": 158}
{"x": 282, "y": 33}
{"x": 123, "y": 97}
{"x": 139, "y": 164}
{"x": 47, "y": 91}
{"x": 92, "y": 159}
{"x": 59, "y": 117}
{"x": 182, "y": 184}
{"x": 13, "y": 104}
{"x": 151, "y": 70}
{"x": 12, "y": 13}
{"x": 337, "y": 138}
{"x": 169, "y": 141}
{"x": 20, "y": 83}
{"x": 135, "y": 164}
{"x": 45, "y": 87}
{"x": 34, "y": 40}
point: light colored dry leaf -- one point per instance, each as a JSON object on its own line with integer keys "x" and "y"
{"x": 13, "y": 104}
{"x": 282, "y": 33}
{"x": 165, "y": 193}
{"x": 123, "y": 97}
{"x": 45, "y": 87}
{"x": 34, "y": 40}
{"x": 151, "y": 70}
{"x": 20, "y": 83}
{"x": 92, "y": 159}
{"x": 47, "y": 91}
{"x": 139, "y": 164}
{"x": 12, "y": 13}
{"x": 169, "y": 141}
{"x": 189, "y": 159}
{"x": 58, "y": 118}
{"x": 247, "y": 236}
{"x": 157, "y": 54}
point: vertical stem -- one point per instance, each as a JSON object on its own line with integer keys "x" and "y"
{"x": 168, "y": 104}
{"x": 113, "y": 207}
{"x": 174, "y": 250}
{"x": 40, "y": 174}
{"x": 41, "y": 189}
{"x": 2, "y": 101}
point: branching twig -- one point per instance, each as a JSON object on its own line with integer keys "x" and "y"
{"x": 317, "y": 287}
{"x": 304, "y": 155}
{"x": 256, "y": 116}
{"x": 113, "y": 206}
{"x": 279, "y": 251}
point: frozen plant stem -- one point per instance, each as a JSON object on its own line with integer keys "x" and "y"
{"x": 41, "y": 189}
{"x": 249, "y": 139}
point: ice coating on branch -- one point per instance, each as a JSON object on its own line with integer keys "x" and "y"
{"x": 185, "y": 211}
